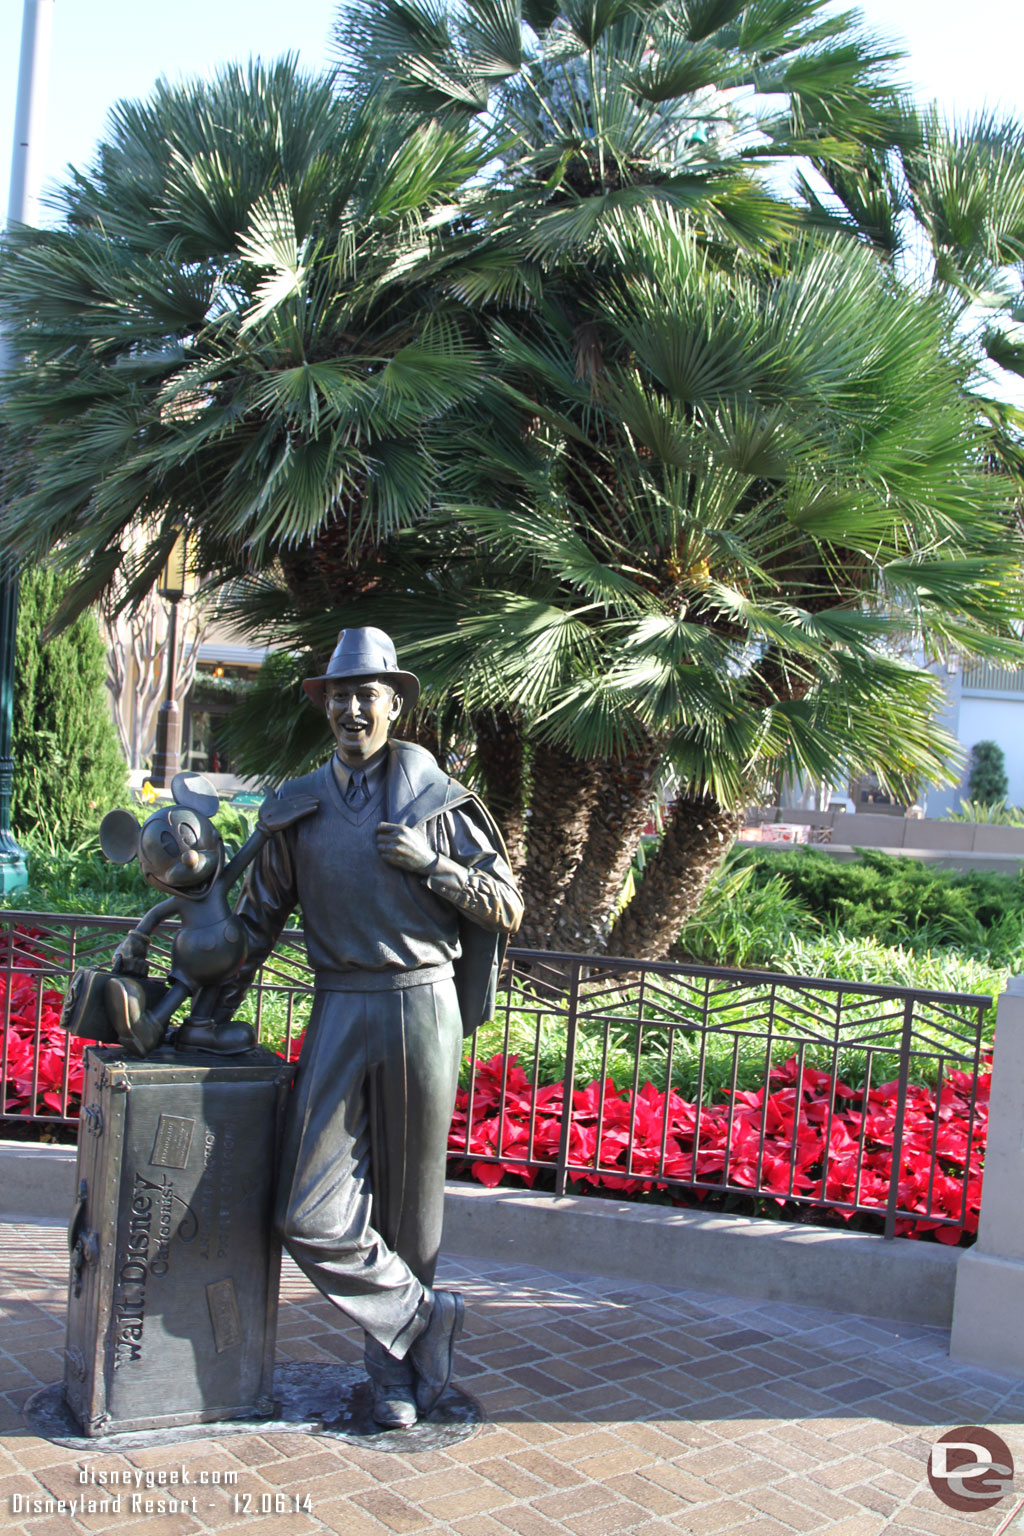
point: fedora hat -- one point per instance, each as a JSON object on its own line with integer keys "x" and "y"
{"x": 364, "y": 653}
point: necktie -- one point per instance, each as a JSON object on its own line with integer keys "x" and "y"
{"x": 358, "y": 791}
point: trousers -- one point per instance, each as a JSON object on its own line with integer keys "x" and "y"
{"x": 361, "y": 1189}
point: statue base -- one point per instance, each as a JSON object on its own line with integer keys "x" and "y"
{"x": 324, "y": 1399}
{"x": 172, "y": 1304}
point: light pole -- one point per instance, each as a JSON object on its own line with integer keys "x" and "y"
{"x": 22, "y": 208}
{"x": 167, "y": 752}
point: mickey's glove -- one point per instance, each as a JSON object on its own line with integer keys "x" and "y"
{"x": 131, "y": 957}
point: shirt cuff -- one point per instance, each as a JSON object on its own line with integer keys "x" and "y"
{"x": 447, "y": 879}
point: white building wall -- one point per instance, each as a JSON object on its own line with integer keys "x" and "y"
{"x": 1000, "y": 720}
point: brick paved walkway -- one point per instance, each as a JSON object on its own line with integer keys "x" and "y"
{"x": 610, "y": 1408}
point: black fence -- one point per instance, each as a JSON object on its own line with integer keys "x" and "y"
{"x": 628, "y": 1077}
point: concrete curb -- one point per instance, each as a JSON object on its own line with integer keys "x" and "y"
{"x": 37, "y": 1182}
{"x": 773, "y": 1261}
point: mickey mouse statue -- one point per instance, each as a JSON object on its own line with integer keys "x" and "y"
{"x": 181, "y": 852}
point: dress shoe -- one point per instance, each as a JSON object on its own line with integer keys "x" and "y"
{"x": 432, "y": 1353}
{"x": 232, "y": 1038}
{"x": 134, "y": 1025}
{"x": 394, "y": 1407}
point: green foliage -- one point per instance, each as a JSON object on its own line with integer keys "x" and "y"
{"x": 272, "y": 731}
{"x": 897, "y": 901}
{"x": 987, "y": 780}
{"x": 872, "y": 962}
{"x": 744, "y": 921}
{"x": 69, "y": 768}
{"x": 708, "y": 1064}
{"x": 997, "y": 814}
{"x": 509, "y": 330}
{"x": 270, "y": 369}
{"x": 78, "y": 877}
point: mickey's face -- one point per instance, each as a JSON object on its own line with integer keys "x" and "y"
{"x": 180, "y": 851}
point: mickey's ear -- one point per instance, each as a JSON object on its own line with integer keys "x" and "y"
{"x": 195, "y": 793}
{"x": 119, "y": 836}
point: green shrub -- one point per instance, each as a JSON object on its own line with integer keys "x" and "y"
{"x": 742, "y": 920}
{"x": 77, "y": 877}
{"x": 987, "y": 780}
{"x": 900, "y": 901}
{"x": 69, "y": 768}
{"x": 869, "y": 961}
{"x": 997, "y": 813}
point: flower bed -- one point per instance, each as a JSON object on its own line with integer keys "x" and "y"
{"x": 812, "y": 1136}
{"x": 40, "y": 1064}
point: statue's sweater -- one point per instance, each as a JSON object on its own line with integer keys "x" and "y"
{"x": 368, "y": 925}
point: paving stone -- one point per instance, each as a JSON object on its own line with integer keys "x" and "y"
{"x": 527, "y": 1521}
{"x": 547, "y": 1469}
{"x": 504, "y": 1473}
{"x": 345, "y": 1519}
{"x": 478, "y": 1525}
{"x": 392, "y": 1511}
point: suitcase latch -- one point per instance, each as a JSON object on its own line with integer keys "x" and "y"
{"x": 84, "y": 1245}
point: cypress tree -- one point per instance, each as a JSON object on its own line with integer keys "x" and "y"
{"x": 988, "y": 783}
{"x": 69, "y": 769}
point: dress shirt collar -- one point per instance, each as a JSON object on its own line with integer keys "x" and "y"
{"x": 375, "y": 770}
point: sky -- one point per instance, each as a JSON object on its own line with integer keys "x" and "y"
{"x": 965, "y": 57}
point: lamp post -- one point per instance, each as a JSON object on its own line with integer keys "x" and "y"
{"x": 22, "y": 208}
{"x": 167, "y": 752}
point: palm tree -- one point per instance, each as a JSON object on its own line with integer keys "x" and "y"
{"x": 946, "y": 202}
{"x": 734, "y": 528}
{"x": 689, "y": 392}
{"x": 228, "y": 334}
{"x": 708, "y": 553}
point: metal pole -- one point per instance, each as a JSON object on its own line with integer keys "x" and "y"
{"x": 22, "y": 208}
{"x": 30, "y": 112}
{"x": 167, "y": 751}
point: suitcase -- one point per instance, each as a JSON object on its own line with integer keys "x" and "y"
{"x": 172, "y": 1299}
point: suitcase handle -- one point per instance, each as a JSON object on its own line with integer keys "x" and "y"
{"x": 82, "y": 1244}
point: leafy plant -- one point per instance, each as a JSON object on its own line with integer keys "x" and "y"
{"x": 803, "y": 1138}
{"x": 987, "y": 780}
{"x": 997, "y": 813}
{"x": 744, "y": 921}
{"x": 69, "y": 767}
{"x": 898, "y": 901}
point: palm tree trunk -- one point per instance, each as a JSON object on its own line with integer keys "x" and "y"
{"x": 562, "y": 796}
{"x": 697, "y": 837}
{"x": 499, "y": 756}
{"x": 621, "y": 811}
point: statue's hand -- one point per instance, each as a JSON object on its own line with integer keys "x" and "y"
{"x": 405, "y": 848}
{"x": 131, "y": 957}
{"x": 277, "y": 812}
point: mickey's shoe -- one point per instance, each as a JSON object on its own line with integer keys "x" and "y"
{"x": 232, "y": 1038}
{"x": 134, "y": 1025}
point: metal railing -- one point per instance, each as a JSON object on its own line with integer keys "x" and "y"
{"x": 624, "y": 1074}
{"x": 987, "y": 677}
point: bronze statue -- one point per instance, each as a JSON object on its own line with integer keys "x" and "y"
{"x": 182, "y": 854}
{"x": 407, "y": 901}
